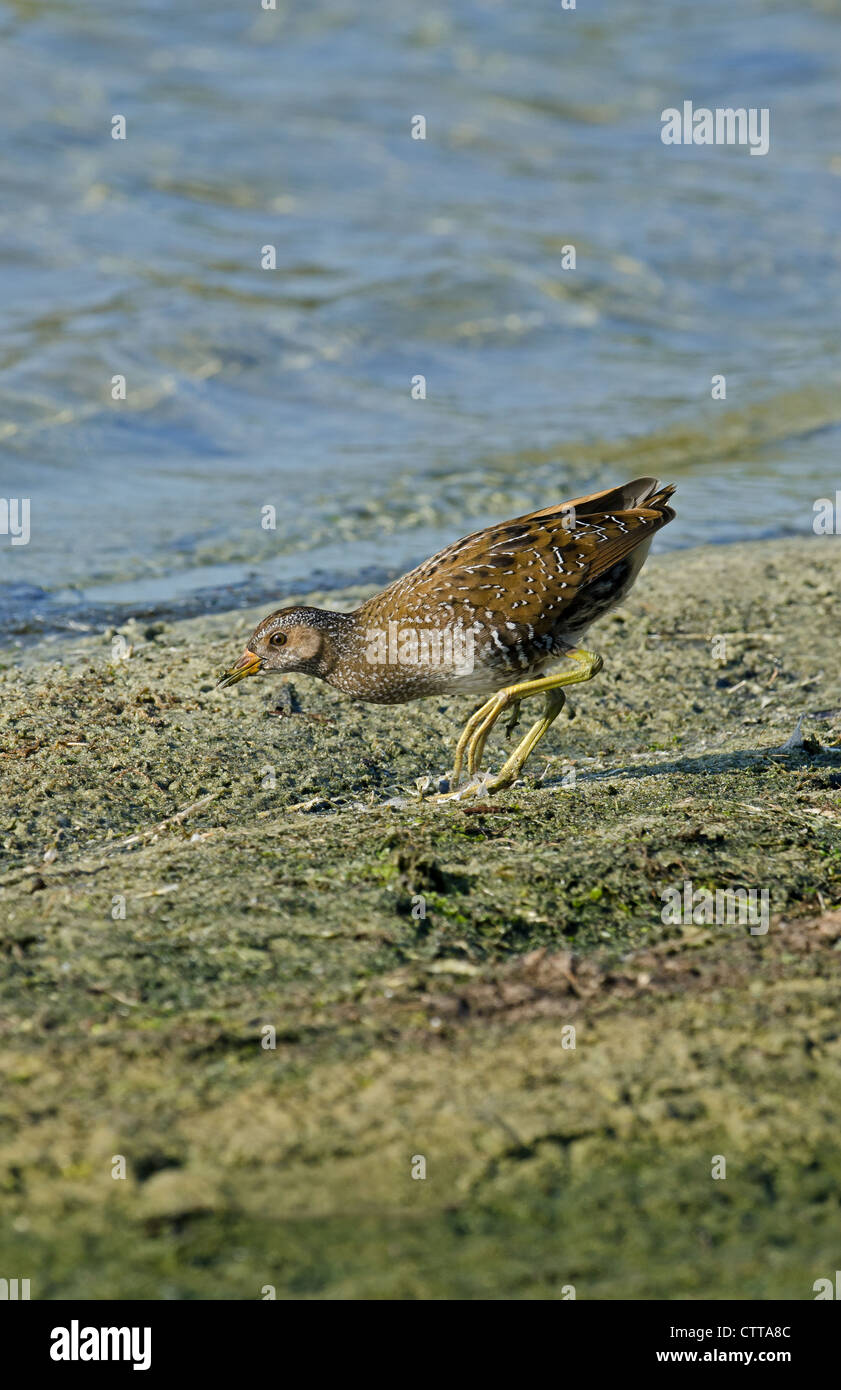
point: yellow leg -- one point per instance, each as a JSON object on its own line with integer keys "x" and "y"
{"x": 511, "y": 769}
{"x": 476, "y": 730}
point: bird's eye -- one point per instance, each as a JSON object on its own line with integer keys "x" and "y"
{"x": 278, "y": 639}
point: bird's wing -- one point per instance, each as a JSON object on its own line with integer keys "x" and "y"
{"x": 552, "y": 552}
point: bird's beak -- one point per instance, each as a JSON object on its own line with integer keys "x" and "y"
{"x": 248, "y": 665}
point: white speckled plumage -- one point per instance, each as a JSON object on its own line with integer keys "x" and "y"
{"x": 524, "y": 592}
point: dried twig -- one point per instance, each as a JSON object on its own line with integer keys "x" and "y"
{"x": 175, "y": 819}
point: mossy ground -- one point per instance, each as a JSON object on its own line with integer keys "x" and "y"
{"x": 441, "y": 1036}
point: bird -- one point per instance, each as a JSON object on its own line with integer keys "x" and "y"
{"x": 502, "y": 613}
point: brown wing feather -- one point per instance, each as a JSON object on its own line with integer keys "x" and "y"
{"x": 613, "y": 499}
{"x": 640, "y": 525}
{"x": 531, "y": 568}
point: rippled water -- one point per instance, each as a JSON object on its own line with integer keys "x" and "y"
{"x": 290, "y": 388}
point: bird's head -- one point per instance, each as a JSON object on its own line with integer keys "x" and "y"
{"x": 292, "y": 639}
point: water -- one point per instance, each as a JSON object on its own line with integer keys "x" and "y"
{"x": 290, "y": 388}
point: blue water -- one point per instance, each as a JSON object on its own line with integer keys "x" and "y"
{"x": 290, "y": 388}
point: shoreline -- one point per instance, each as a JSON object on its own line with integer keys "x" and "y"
{"x": 163, "y": 905}
{"x": 249, "y": 588}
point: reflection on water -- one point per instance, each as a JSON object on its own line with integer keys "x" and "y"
{"x": 290, "y": 388}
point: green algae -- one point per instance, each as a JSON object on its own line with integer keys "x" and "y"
{"x": 162, "y": 905}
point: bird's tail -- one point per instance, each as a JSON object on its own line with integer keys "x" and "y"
{"x": 628, "y": 497}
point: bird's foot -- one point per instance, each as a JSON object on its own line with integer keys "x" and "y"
{"x": 480, "y": 785}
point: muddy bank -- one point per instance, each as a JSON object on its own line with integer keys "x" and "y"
{"x": 162, "y": 905}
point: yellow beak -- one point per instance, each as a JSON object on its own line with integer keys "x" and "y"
{"x": 248, "y": 665}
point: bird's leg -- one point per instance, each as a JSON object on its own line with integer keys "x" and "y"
{"x": 474, "y": 735}
{"x": 513, "y": 720}
{"x": 490, "y": 711}
{"x": 510, "y": 770}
